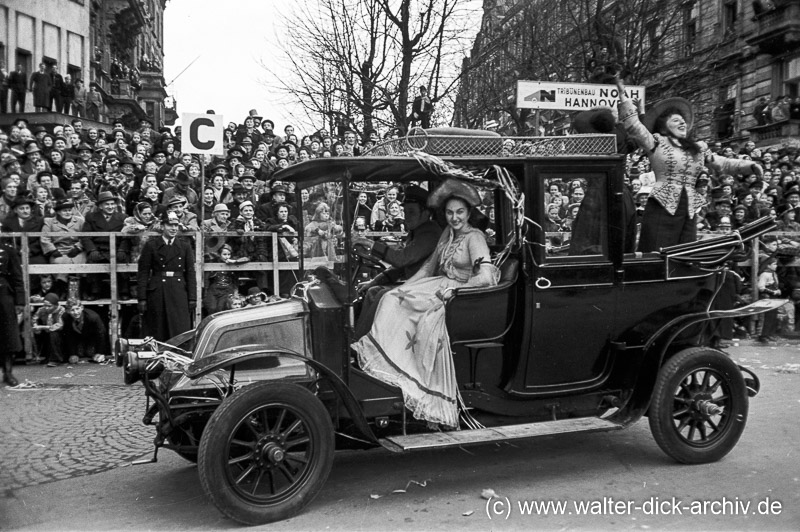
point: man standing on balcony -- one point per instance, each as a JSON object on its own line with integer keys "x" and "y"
{"x": 56, "y": 89}
{"x": 3, "y": 89}
{"x": 94, "y": 102}
{"x": 18, "y": 85}
{"x": 41, "y": 83}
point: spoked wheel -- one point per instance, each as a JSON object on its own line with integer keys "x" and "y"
{"x": 699, "y": 406}
{"x": 266, "y": 452}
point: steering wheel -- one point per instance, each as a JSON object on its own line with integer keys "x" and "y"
{"x": 362, "y": 256}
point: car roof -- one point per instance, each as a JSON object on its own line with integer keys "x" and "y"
{"x": 399, "y": 168}
{"x": 369, "y": 169}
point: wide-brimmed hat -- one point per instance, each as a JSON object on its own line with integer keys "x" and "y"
{"x": 454, "y": 188}
{"x": 278, "y": 187}
{"x": 683, "y": 106}
{"x": 794, "y": 189}
{"x": 105, "y": 196}
{"x": 32, "y": 147}
{"x": 237, "y": 152}
{"x": 64, "y": 204}
{"x": 83, "y": 147}
{"x": 183, "y": 178}
{"x": 177, "y": 200}
{"x": 221, "y": 207}
{"x": 24, "y": 200}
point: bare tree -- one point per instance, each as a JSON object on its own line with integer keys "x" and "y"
{"x": 582, "y": 41}
{"x": 355, "y": 62}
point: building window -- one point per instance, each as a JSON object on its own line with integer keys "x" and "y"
{"x": 24, "y": 58}
{"x": 74, "y": 72}
{"x": 689, "y": 28}
{"x": 730, "y": 15}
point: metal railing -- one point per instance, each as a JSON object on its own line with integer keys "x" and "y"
{"x": 493, "y": 146}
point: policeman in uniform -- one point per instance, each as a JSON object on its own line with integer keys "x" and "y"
{"x": 12, "y": 297}
{"x": 167, "y": 284}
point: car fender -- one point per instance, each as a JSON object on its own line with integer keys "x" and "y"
{"x": 230, "y": 357}
{"x": 655, "y": 350}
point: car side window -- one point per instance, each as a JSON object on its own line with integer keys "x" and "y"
{"x": 575, "y": 215}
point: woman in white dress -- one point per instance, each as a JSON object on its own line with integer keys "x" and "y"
{"x": 408, "y": 345}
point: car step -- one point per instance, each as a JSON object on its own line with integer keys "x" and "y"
{"x": 439, "y": 440}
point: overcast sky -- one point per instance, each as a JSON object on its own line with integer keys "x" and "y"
{"x": 229, "y": 39}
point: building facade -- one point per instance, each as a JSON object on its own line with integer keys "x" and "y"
{"x": 117, "y": 44}
{"x": 723, "y": 55}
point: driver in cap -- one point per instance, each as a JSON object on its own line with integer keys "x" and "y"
{"x": 405, "y": 260}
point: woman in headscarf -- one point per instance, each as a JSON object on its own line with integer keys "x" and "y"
{"x": 143, "y": 220}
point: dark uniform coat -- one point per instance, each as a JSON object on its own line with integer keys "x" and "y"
{"x": 167, "y": 283}
{"x": 12, "y": 292}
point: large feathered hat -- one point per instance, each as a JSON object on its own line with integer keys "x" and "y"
{"x": 683, "y": 106}
{"x": 454, "y": 187}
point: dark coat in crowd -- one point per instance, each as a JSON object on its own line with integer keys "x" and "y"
{"x": 96, "y": 222}
{"x": 12, "y": 292}
{"x": 34, "y": 224}
{"x": 166, "y": 278}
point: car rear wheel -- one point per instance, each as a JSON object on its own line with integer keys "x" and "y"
{"x": 699, "y": 406}
{"x": 266, "y": 452}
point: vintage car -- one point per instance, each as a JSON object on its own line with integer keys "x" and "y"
{"x": 581, "y": 333}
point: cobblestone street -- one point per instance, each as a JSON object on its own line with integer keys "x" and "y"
{"x": 77, "y": 420}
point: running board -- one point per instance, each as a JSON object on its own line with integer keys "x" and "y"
{"x": 440, "y": 440}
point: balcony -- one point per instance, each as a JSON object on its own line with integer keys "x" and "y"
{"x": 785, "y": 132}
{"x": 777, "y": 30}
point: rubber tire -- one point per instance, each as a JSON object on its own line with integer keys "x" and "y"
{"x": 212, "y": 457}
{"x": 661, "y": 405}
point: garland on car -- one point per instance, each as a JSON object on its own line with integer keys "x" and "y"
{"x": 503, "y": 180}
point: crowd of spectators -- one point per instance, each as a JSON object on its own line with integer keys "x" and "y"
{"x": 768, "y": 111}
{"x": 73, "y": 179}
{"x": 731, "y": 201}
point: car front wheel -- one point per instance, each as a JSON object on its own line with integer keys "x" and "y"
{"x": 266, "y": 452}
{"x": 699, "y": 404}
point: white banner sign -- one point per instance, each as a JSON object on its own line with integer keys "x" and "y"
{"x": 571, "y": 96}
{"x": 202, "y": 134}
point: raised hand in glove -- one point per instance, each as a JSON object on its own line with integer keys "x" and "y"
{"x": 74, "y": 252}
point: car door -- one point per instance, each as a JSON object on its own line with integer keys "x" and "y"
{"x": 571, "y": 294}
